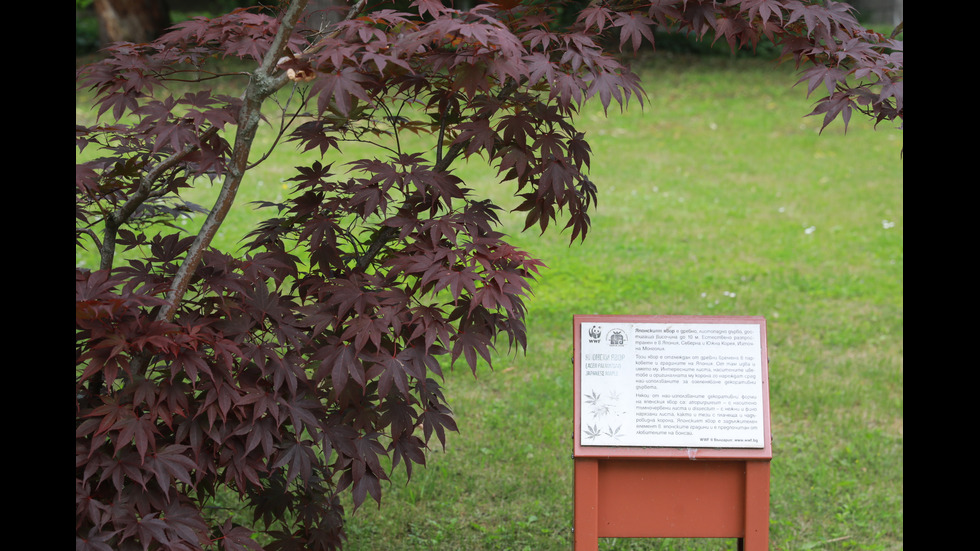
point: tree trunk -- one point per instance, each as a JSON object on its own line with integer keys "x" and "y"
{"x": 322, "y": 13}
{"x": 131, "y": 20}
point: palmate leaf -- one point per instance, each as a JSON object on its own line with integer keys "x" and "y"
{"x": 398, "y": 413}
{"x": 298, "y": 457}
{"x": 367, "y": 484}
{"x": 568, "y": 89}
{"x": 829, "y": 77}
{"x": 149, "y": 528}
{"x": 337, "y": 91}
{"x": 349, "y": 297}
{"x": 597, "y": 16}
{"x": 238, "y": 538}
{"x": 96, "y": 540}
{"x": 170, "y": 463}
{"x": 609, "y": 85}
{"x": 141, "y": 431}
{"x": 633, "y": 27}
{"x": 472, "y": 345}
{"x": 471, "y": 78}
{"x": 762, "y": 9}
{"x": 737, "y": 32}
{"x": 477, "y": 135}
{"x": 314, "y": 135}
{"x": 580, "y": 222}
{"x": 187, "y": 524}
{"x": 828, "y": 14}
{"x": 407, "y": 449}
{"x": 557, "y": 179}
{"x": 892, "y": 90}
{"x": 363, "y": 330}
{"x": 839, "y": 104}
{"x": 430, "y": 324}
{"x": 394, "y": 372}
{"x": 540, "y": 68}
{"x": 699, "y": 16}
{"x": 437, "y": 420}
{"x": 343, "y": 364}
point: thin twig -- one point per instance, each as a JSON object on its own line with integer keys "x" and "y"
{"x": 283, "y": 125}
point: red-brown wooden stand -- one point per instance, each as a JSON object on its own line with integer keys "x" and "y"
{"x": 671, "y": 498}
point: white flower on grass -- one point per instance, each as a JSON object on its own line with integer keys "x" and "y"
{"x": 810, "y": 230}
{"x": 887, "y": 224}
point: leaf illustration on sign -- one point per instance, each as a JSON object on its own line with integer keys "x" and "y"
{"x": 592, "y": 431}
{"x": 592, "y": 398}
{"x": 614, "y": 432}
{"x": 600, "y": 408}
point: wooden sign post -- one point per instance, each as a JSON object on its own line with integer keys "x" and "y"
{"x": 672, "y": 435}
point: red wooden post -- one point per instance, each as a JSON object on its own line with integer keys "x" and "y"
{"x": 586, "y": 504}
{"x": 756, "y": 506}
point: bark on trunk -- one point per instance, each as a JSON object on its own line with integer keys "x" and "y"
{"x": 131, "y": 20}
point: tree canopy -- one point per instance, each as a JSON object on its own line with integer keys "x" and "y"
{"x": 310, "y": 364}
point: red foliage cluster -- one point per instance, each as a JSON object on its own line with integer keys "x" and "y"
{"x": 299, "y": 369}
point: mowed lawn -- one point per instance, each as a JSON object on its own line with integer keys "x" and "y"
{"x": 717, "y": 197}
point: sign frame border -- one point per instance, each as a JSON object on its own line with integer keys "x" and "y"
{"x": 656, "y": 452}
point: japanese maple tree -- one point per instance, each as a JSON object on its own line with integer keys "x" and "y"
{"x": 309, "y": 364}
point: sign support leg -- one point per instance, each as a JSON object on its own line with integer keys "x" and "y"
{"x": 586, "y": 522}
{"x": 756, "y": 506}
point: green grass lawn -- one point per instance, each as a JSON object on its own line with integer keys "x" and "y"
{"x": 718, "y": 197}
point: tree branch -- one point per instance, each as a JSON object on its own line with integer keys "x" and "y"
{"x": 351, "y": 14}
{"x": 115, "y": 219}
{"x": 443, "y": 162}
{"x": 264, "y": 82}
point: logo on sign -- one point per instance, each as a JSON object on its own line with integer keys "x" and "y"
{"x": 617, "y": 337}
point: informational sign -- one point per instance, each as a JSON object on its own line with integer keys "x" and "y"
{"x": 679, "y": 382}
